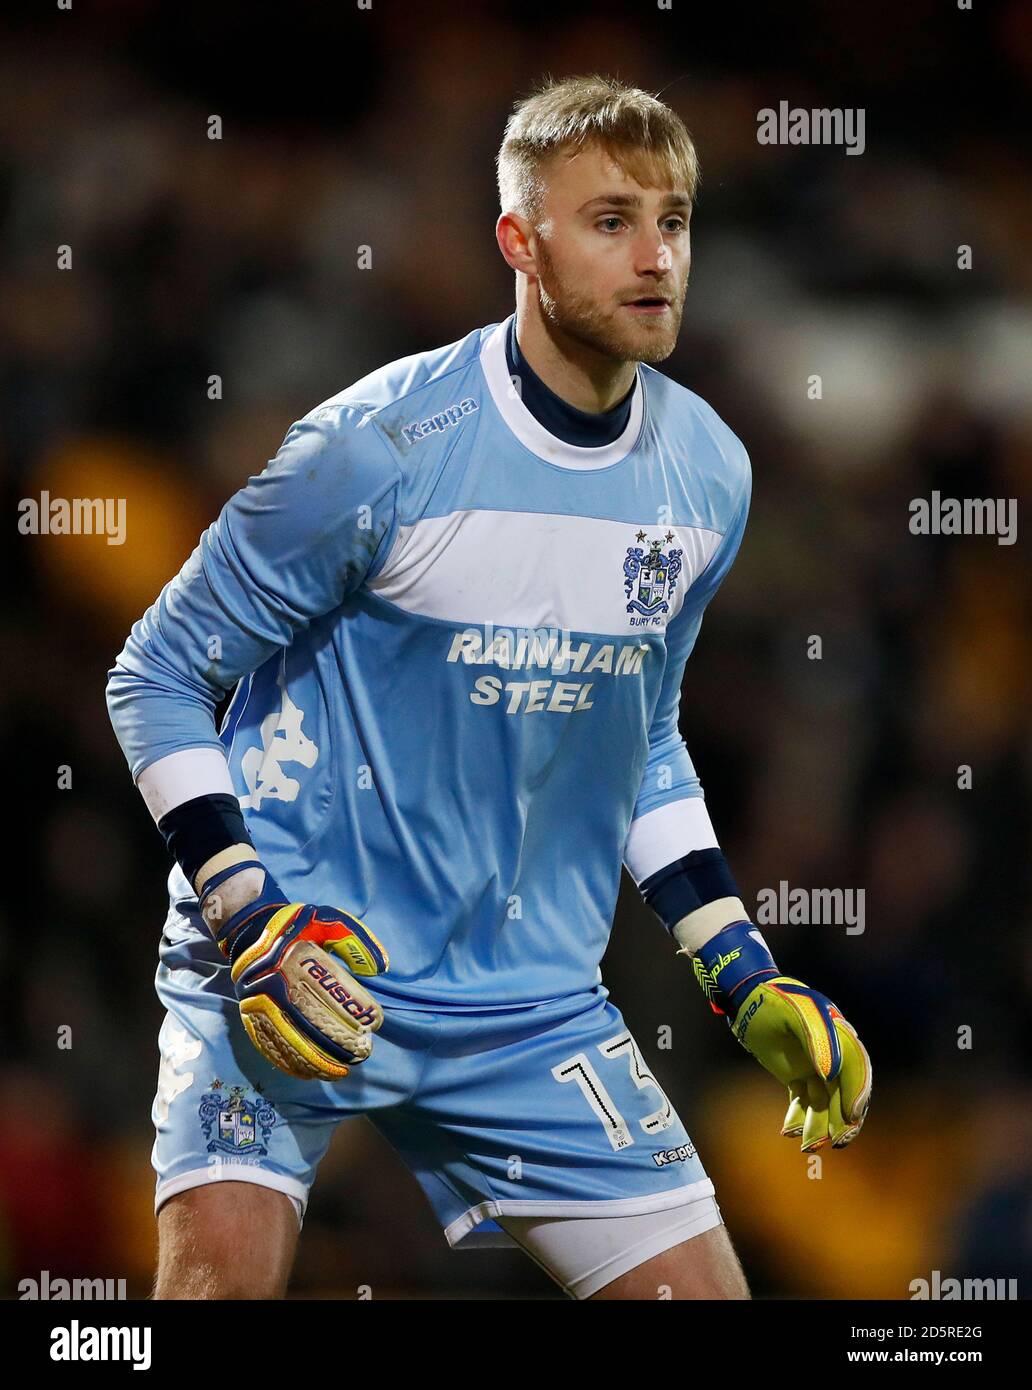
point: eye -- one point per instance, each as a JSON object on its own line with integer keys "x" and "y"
{"x": 601, "y": 223}
{"x": 680, "y": 224}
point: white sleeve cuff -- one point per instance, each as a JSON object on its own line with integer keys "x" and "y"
{"x": 181, "y": 776}
{"x": 659, "y": 837}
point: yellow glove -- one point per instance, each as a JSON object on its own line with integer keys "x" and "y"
{"x": 793, "y": 1031}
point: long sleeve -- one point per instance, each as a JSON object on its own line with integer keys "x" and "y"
{"x": 287, "y": 548}
{"x": 670, "y": 818}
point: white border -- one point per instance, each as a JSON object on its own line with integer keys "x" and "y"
{"x": 509, "y": 569}
{"x": 234, "y": 1172}
{"x": 529, "y": 430}
{"x": 568, "y": 1259}
{"x": 463, "y": 1225}
{"x": 669, "y": 832}
{"x": 180, "y": 776}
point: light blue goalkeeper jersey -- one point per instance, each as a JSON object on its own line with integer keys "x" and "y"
{"x": 457, "y": 644}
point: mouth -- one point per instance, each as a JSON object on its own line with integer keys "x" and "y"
{"x": 648, "y": 304}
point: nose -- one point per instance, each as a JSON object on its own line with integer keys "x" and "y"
{"x": 653, "y": 255}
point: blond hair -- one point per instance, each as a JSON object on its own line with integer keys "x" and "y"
{"x": 647, "y": 140}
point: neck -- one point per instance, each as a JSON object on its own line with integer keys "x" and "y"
{"x": 576, "y": 372}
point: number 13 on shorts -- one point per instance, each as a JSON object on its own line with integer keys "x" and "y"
{"x": 619, "y": 1050}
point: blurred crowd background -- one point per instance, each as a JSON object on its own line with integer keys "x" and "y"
{"x": 238, "y": 258}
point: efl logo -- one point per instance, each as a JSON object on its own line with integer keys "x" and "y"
{"x": 443, "y": 420}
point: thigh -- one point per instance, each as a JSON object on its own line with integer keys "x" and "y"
{"x": 226, "y": 1240}
{"x": 682, "y": 1252}
{"x": 702, "y": 1267}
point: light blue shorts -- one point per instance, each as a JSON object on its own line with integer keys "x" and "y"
{"x": 547, "y": 1111}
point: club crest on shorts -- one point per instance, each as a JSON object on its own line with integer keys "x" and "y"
{"x": 651, "y": 578}
{"x": 233, "y": 1124}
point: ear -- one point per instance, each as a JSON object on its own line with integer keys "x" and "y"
{"x": 517, "y": 242}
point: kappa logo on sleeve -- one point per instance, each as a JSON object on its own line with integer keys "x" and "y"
{"x": 444, "y": 419}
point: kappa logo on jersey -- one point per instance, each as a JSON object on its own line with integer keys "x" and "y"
{"x": 652, "y": 579}
{"x": 444, "y": 419}
{"x": 282, "y": 742}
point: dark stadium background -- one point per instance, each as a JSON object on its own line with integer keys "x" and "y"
{"x": 345, "y": 127}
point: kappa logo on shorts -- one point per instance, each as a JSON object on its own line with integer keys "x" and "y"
{"x": 678, "y": 1155}
{"x": 232, "y": 1123}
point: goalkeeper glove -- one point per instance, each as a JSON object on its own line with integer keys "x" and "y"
{"x": 303, "y": 1012}
{"x": 793, "y": 1031}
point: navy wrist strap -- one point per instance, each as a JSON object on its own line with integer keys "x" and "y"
{"x": 200, "y": 828}
{"x": 688, "y": 884}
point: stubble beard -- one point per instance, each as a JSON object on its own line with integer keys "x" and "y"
{"x": 582, "y": 318}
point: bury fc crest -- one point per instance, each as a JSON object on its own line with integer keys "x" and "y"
{"x": 650, "y": 578}
{"x": 232, "y": 1123}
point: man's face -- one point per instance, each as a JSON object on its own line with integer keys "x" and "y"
{"x": 607, "y": 250}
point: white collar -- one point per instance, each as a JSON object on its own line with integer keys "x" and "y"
{"x": 532, "y": 434}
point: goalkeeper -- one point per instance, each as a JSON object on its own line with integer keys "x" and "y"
{"x": 452, "y": 617}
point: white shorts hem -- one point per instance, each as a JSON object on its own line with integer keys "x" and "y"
{"x": 233, "y": 1172}
{"x": 462, "y": 1226}
{"x": 676, "y": 1234}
